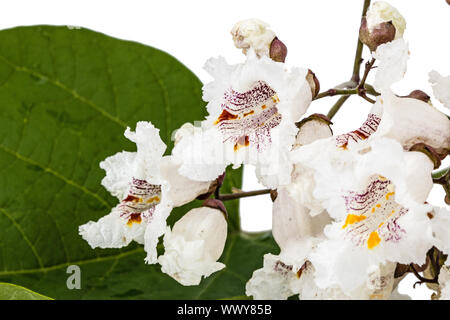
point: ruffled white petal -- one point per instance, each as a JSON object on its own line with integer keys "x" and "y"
{"x": 412, "y": 121}
{"x": 111, "y": 231}
{"x": 380, "y": 12}
{"x": 441, "y": 226}
{"x": 150, "y": 149}
{"x": 393, "y": 57}
{"x": 253, "y": 33}
{"x": 201, "y": 155}
{"x": 444, "y": 283}
{"x": 275, "y": 281}
{"x": 119, "y": 172}
{"x": 441, "y": 87}
{"x": 157, "y": 225}
{"x": 182, "y": 190}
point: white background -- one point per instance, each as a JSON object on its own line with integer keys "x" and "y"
{"x": 320, "y": 35}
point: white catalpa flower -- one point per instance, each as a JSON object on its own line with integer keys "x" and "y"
{"x": 441, "y": 87}
{"x": 444, "y": 283}
{"x": 377, "y": 201}
{"x": 294, "y": 229}
{"x": 253, "y": 34}
{"x": 194, "y": 245}
{"x": 278, "y": 281}
{"x": 380, "y": 12}
{"x": 378, "y": 286}
{"x": 148, "y": 186}
{"x": 252, "y": 109}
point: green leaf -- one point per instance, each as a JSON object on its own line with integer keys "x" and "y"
{"x": 12, "y": 292}
{"x": 66, "y": 97}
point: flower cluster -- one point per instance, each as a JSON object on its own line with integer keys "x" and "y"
{"x": 350, "y": 215}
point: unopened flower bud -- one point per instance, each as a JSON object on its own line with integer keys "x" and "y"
{"x": 382, "y": 33}
{"x": 253, "y": 33}
{"x": 313, "y": 83}
{"x": 278, "y": 50}
{"x": 382, "y": 23}
{"x": 316, "y": 126}
{"x": 194, "y": 245}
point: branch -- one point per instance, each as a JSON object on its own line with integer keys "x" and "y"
{"x": 359, "y": 48}
{"x": 333, "y": 92}
{"x": 337, "y": 106}
{"x": 238, "y": 195}
{"x": 361, "y": 86}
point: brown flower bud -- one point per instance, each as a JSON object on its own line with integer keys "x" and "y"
{"x": 381, "y": 33}
{"x": 313, "y": 83}
{"x": 418, "y": 94}
{"x": 278, "y": 50}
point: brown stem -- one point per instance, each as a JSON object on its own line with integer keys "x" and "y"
{"x": 361, "y": 86}
{"x": 333, "y": 92}
{"x": 421, "y": 279}
{"x": 238, "y": 195}
{"x": 369, "y": 66}
{"x": 359, "y": 48}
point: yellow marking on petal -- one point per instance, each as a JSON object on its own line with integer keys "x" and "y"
{"x": 373, "y": 241}
{"x": 225, "y": 115}
{"x": 378, "y": 205}
{"x": 389, "y": 194}
{"x": 238, "y": 146}
{"x": 373, "y": 210}
{"x": 263, "y": 106}
{"x": 134, "y": 218}
{"x": 249, "y": 113}
{"x": 380, "y": 225}
{"x": 153, "y": 199}
{"x": 353, "y": 218}
{"x": 382, "y": 178}
{"x": 275, "y": 99}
